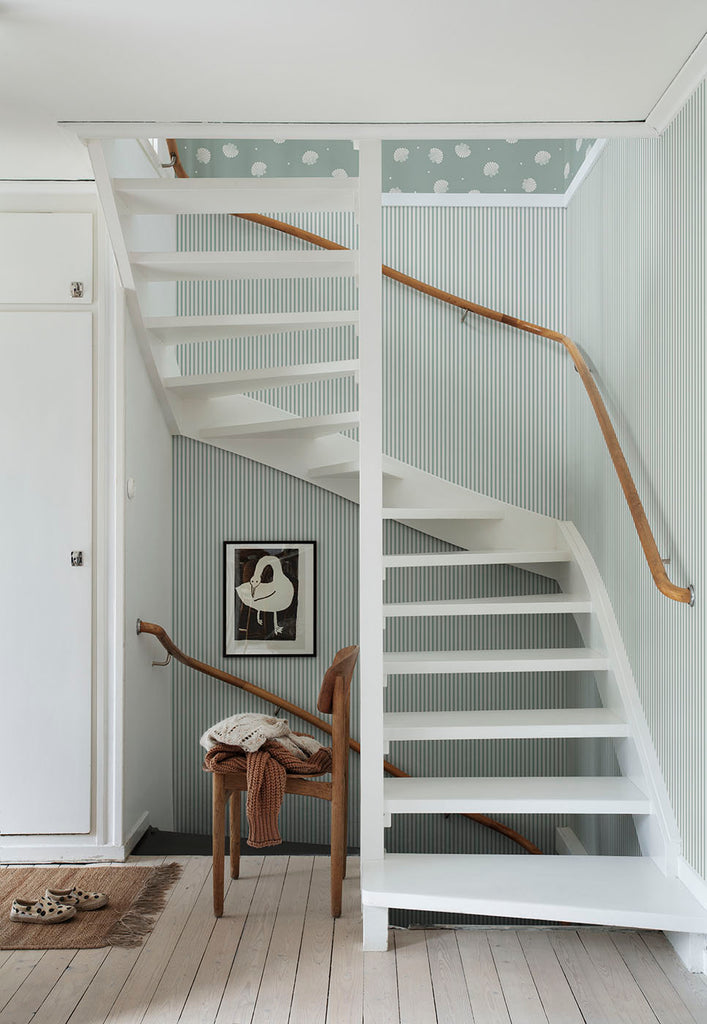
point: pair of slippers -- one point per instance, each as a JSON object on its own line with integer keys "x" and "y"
{"x": 56, "y": 905}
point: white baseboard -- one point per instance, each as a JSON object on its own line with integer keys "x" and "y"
{"x": 69, "y": 849}
{"x": 136, "y": 833}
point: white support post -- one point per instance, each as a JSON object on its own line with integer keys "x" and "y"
{"x": 371, "y": 521}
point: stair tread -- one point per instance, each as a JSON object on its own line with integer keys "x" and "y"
{"x": 516, "y": 795}
{"x": 219, "y": 265}
{"x": 442, "y": 513}
{"x": 234, "y": 195}
{"x": 542, "y": 659}
{"x": 238, "y": 382}
{"x": 180, "y": 330}
{"x": 629, "y": 892}
{"x": 477, "y": 557}
{"x": 311, "y": 426}
{"x": 530, "y": 604}
{"x": 499, "y": 724}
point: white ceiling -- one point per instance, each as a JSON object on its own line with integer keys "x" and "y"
{"x": 323, "y": 61}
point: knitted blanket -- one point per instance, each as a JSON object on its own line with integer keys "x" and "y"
{"x": 266, "y": 773}
{"x": 250, "y": 731}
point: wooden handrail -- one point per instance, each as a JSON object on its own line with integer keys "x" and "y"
{"x": 685, "y": 595}
{"x": 294, "y": 709}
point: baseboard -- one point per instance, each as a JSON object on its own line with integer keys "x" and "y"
{"x": 69, "y": 849}
{"x": 136, "y": 833}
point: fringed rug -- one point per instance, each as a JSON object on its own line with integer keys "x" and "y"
{"x": 136, "y": 895}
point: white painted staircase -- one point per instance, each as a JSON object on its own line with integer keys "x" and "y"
{"x": 217, "y": 407}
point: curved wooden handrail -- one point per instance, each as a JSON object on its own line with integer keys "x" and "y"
{"x": 294, "y": 709}
{"x": 685, "y": 595}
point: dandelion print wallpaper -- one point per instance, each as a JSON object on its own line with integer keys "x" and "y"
{"x": 512, "y": 166}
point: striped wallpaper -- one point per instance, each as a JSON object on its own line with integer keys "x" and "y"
{"x": 637, "y": 260}
{"x": 441, "y": 416}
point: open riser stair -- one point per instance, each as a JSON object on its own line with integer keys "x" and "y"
{"x": 224, "y": 377}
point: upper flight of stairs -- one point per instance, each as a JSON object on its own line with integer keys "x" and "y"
{"x": 219, "y": 408}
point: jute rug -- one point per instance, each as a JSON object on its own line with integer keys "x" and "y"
{"x": 136, "y": 895}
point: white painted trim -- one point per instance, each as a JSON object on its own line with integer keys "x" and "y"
{"x": 46, "y": 186}
{"x": 90, "y": 130}
{"x": 472, "y": 199}
{"x": 680, "y": 89}
{"x": 136, "y": 833}
{"x": 589, "y": 162}
{"x": 568, "y": 844}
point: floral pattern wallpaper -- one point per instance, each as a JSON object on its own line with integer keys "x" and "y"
{"x": 513, "y": 166}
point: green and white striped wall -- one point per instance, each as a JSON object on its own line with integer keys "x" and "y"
{"x": 637, "y": 304}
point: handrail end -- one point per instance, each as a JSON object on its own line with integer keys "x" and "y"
{"x": 692, "y": 595}
{"x": 138, "y": 627}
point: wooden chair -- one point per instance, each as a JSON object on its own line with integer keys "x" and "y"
{"x": 334, "y": 700}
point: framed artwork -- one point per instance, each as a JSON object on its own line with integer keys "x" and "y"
{"x": 269, "y": 605}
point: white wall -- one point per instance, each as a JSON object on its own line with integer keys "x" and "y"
{"x": 637, "y": 251}
{"x": 148, "y": 595}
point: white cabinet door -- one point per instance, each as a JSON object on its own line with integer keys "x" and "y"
{"x": 45, "y": 602}
{"x": 43, "y": 254}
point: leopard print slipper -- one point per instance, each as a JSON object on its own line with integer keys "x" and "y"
{"x": 78, "y": 898}
{"x": 42, "y": 911}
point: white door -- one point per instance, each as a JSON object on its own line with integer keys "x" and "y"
{"x": 45, "y": 602}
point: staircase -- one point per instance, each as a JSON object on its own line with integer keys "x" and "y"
{"x": 141, "y": 205}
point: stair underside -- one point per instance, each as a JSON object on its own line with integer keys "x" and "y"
{"x": 515, "y": 795}
{"x": 233, "y": 195}
{"x": 534, "y": 604}
{"x": 183, "y": 330}
{"x": 494, "y": 725}
{"x": 626, "y": 892}
{"x": 553, "y": 659}
{"x": 294, "y": 428}
{"x": 448, "y": 558}
{"x": 213, "y": 385}
{"x": 216, "y": 266}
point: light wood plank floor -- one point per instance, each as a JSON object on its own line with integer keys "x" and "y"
{"x": 276, "y": 957}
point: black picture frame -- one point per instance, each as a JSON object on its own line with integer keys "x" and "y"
{"x": 270, "y": 602}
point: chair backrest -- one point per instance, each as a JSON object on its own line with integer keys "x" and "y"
{"x": 342, "y": 667}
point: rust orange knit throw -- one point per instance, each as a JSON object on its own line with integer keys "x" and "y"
{"x": 266, "y": 771}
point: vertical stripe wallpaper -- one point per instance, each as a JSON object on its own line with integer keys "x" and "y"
{"x": 637, "y": 258}
{"x": 442, "y": 416}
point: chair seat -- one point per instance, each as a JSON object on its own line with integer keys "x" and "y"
{"x": 297, "y": 784}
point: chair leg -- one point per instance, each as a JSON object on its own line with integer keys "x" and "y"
{"x": 235, "y": 831}
{"x": 218, "y": 829}
{"x": 338, "y": 853}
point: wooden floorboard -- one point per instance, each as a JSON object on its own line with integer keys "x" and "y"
{"x": 277, "y": 957}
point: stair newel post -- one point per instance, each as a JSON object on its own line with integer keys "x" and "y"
{"x": 375, "y": 923}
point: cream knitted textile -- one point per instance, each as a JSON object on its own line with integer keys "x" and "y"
{"x": 250, "y": 731}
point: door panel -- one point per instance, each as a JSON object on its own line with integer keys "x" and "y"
{"x": 45, "y": 602}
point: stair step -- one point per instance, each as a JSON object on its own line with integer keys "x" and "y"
{"x": 534, "y": 604}
{"x": 490, "y": 725}
{"x": 294, "y": 427}
{"x": 554, "y": 659}
{"x": 210, "y": 385}
{"x": 215, "y": 266}
{"x": 515, "y": 795}
{"x": 441, "y": 513}
{"x": 234, "y": 195}
{"x": 181, "y": 330}
{"x": 350, "y": 468}
{"x": 626, "y": 892}
{"x": 428, "y": 558}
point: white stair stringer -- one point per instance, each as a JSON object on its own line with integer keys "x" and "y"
{"x": 218, "y": 409}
